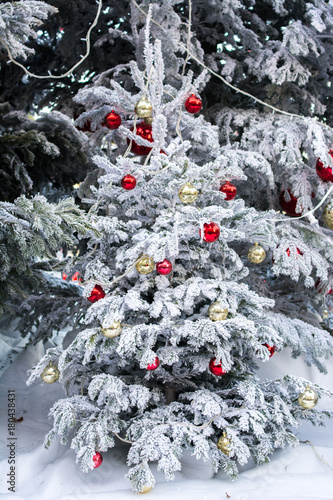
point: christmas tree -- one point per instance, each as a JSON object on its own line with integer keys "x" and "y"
{"x": 195, "y": 277}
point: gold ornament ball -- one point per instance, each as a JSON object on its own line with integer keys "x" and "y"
{"x": 216, "y": 312}
{"x": 223, "y": 444}
{"x": 143, "y": 107}
{"x": 308, "y": 399}
{"x": 188, "y": 193}
{"x": 256, "y": 254}
{"x": 50, "y": 374}
{"x": 146, "y": 489}
{"x": 328, "y": 215}
{"x": 145, "y": 265}
{"x": 113, "y": 330}
{"x": 325, "y": 314}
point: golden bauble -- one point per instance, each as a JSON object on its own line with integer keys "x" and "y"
{"x": 308, "y": 399}
{"x": 113, "y": 330}
{"x": 148, "y": 120}
{"x": 143, "y": 107}
{"x": 325, "y": 314}
{"x": 256, "y": 254}
{"x": 223, "y": 444}
{"x": 145, "y": 265}
{"x": 216, "y": 312}
{"x": 328, "y": 215}
{"x": 146, "y": 489}
{"x": 188, "y": 193}
{"x": 50, "y": 374}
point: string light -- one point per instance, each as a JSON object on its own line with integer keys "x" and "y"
{"x": 27, "y": 72}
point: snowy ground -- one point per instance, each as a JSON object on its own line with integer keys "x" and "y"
{"x": 292, "y": 474}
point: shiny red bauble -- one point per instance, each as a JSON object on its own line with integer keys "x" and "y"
{"x": 112, "y": 120}
{"x": 320, "y": 288}
{"x": 289, "y": 206}
{"x": 164, "y": 267}
{"x": 76, "y": 276}
{"x": 229, "y": 190}
{"x": 97, "y": 459}
{"x": 216, "y": 367}
{"x": 298, "y": 252}
{"x": 86, "y": 127}
{"x": 271, "y": 349}
{"x": 144, "y": 130}
{"x": 154, "y": 365}
{"x": 211, "y": 232}
{"x": 96, "y": 294}
{"x": 325, "y": 173}
{"x": 128, "y": 182}
{"x": 193, "y": 104}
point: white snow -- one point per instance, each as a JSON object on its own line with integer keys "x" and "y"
{"x": 292, "y": 474}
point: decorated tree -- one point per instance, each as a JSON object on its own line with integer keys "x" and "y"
{"x": 195, "y": 277}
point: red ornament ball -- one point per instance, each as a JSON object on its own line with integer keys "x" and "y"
{"x": 164, "y": 267}
{"x": 229, "y": 189}
{"x": 271, "y": 349}
{"x": 144, "y": 130}
{"x": 64, "y": 276}
{"x": 289, "y": 206}
{"x": 96, "y": 294}
{"x": 112, "y": 120}
{"x": 320, "y": 288}
{"x": 154, "y": 365}
{"x": 298, "y": 252}
{"x": 193, "y": 104}
{"x": 216, "y": 368}
{"x": 211, "y": 232}
{"x": 86, "y": 127}
{"x": 128, "y": 182}
{"x": 97, "y": 459}
{"x": 325, "y": 173}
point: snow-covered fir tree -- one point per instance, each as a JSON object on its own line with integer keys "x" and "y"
{"x": 180, "y": 319}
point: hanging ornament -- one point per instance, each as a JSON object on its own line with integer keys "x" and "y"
{"x": 128, "y": 182}
{"x": 188, "y": 193}
{"x": 223, "y": 444}
{"x": 97, "y": 459}
{"x": 96, "y": 294}
{"x": 143, "y": 107}
{"x": 154, "y": 365}
{"x": 322, "y": 287}
{"x": 308, "y": 399}
{"x": 112, "y": 120}
{"x": 211, "y": 232}
{"x": 164, "y": 267}
{"x": 216, "y": 367}
{"x": 216, "y": 312}
{"x": 145, "y": 131}
{"x": 145, "y": 265}
{"x": 50, "y": 373}
{"x": 86, "y": 127}
{"x": 113, "y": 330}
{"x": 193, "y": 104}
{"x": 325, "y": 173}
{"x": 298, "y": 252}
{"x": 289, "y": 206}
{"x": 328, "y": 215}
{"x": 229, "y": 190}
{"x": 271, "y": 349}
{"x": 325, "y": 314}
{"x": 256, "y": 254}
{"x": 76, "y": 276}
{"x": 146, "y": 489}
